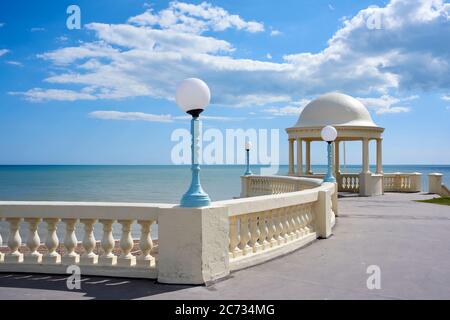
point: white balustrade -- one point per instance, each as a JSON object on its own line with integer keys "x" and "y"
{"x": 234, "y": 238}
{"x": 51, "y": 243}
{"x": 244, "y": 235}
{"x": 402, "y": 182}
{"x": 145, "y": 260}
{"x": 279, "y": 220}
{"x": 89, "y": 243}
{"x": 33, "y": 241}
{"x": 70, "y": 243}
{"x": 107, "y": 258}
{"x": 14, "y": 241}
{"x": 126, "y": 244}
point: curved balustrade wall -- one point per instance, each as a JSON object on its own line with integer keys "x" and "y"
{"x": 193, "y": 246}
{"x": 280, "y": 214}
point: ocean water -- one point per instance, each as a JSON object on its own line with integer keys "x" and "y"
{"x": 162, "y": 184}
{"x": 159, "y": 184}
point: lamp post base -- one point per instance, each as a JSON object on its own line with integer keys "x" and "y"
{"x": 195, "y": 200}
{"x": 329, "y": 179}
{"x": 195, "y": 197}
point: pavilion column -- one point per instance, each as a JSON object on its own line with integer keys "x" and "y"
{"x": 365, "y": 154}
{"x": 291, "y": 157}
{"x": 308, "y": 158}
{"x": 379, "y": 156}
{"x": 299, "y": 157}
{"x": 337, "y": 165}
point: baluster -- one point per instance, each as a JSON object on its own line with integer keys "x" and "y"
{"x": 2, "y": 256}
{"x": 310, "y": 219}
{"x": 245, "y": 234}
{"x": 272, "y": 229}
{"x": 107, "y": 258}
{"x": 286, "y": 226}
{"x": 70, "y": 243}
{"x": 304, "y": 221}
{"x": 33, "y": 241}
{"x": 145, "y": 260}
{"x": 126, "y": 259}
{"x": 279, "y": 226}
{"x": 233, "y": 249}
{"x": 14, "y": 241}
{"x": 298, "y": 221}
{"x": 264, "y": 230}
{"x": 52, "y": 243}
{"x": 292, "y": 222}
{"x": 255, "y": 233}
{"x": 89, "y": 243}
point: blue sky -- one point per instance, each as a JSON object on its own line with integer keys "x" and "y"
{"x": 60, "y": 88}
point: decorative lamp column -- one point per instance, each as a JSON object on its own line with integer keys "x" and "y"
{"x": 248, "y": 146}
{"x": 329, "y": 134}
{"x": 193, "y": 97}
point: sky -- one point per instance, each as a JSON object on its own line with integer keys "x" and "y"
{"x": 104, "y": 93}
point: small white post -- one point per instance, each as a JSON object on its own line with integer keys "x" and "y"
{"x": 435, "y": 183}
{"x": 126, "y": 259}
{"x": 14, "y": 242}
{"x": 33, "y": 241}
{"x": 52, "y": 243}
{"x": 89, "y": 257}
{"x": 70, "y": 243}
{"x": 145, "y": 260}
{"x": 323, "y": 215}
{"x": 107, "y": 258}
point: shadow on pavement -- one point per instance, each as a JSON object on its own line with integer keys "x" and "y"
{"x": 101, "y": 288}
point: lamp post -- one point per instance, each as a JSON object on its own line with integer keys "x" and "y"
{"x": 193, "y": 97}
{"x": 248, "y": 146}
{"x": 329, "y": 134}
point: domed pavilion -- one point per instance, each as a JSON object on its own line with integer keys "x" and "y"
{"x": 353, "y": 122}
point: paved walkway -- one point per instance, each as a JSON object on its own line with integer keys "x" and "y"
{"x": 409, "y": 241}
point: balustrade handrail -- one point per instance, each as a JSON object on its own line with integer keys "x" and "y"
{"x": 81, "y": 210}
{"x": 270, "y": 202}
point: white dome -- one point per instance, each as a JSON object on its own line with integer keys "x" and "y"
{"x": 335, "y": 109}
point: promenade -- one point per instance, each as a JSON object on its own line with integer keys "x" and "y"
{"x": 406, "y": 239}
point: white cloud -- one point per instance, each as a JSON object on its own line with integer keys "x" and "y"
{"x": 130, "y": 116}
{"x": 330, "y": 7}
{"x": 62, "y": 38}
{"x": 275, "y": 33}
{"x": 37, "y": 29}
{"x": 192, "y": 18}
{"x": 268, "y": 56}
{"x": 409, "y": 52}
{"x": 3, "y": 52}
{"x": 446, "y": 98}
{"x": 39, "y": 95}
{"x": 293, "y": 109}
{"x": 387, "y": 104}
{"x": 15, "y": 63}
{"x": 140, "y": 116}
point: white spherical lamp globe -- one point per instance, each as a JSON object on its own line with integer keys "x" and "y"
{"x": 329, "y": 133}
{"x": 248, "y": 145}
{"x": 193, "y": 95}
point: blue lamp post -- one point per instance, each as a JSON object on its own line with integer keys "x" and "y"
{"x": 193, "y": 97}
{"x": 329, "y": 134}
{"x": 248, "y": 146}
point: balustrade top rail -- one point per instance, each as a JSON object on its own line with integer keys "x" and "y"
{"x": 82, "y": 210}
{"x": 269, "y": 202}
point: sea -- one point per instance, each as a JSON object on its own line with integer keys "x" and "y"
{"x": 152, "y": 183}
